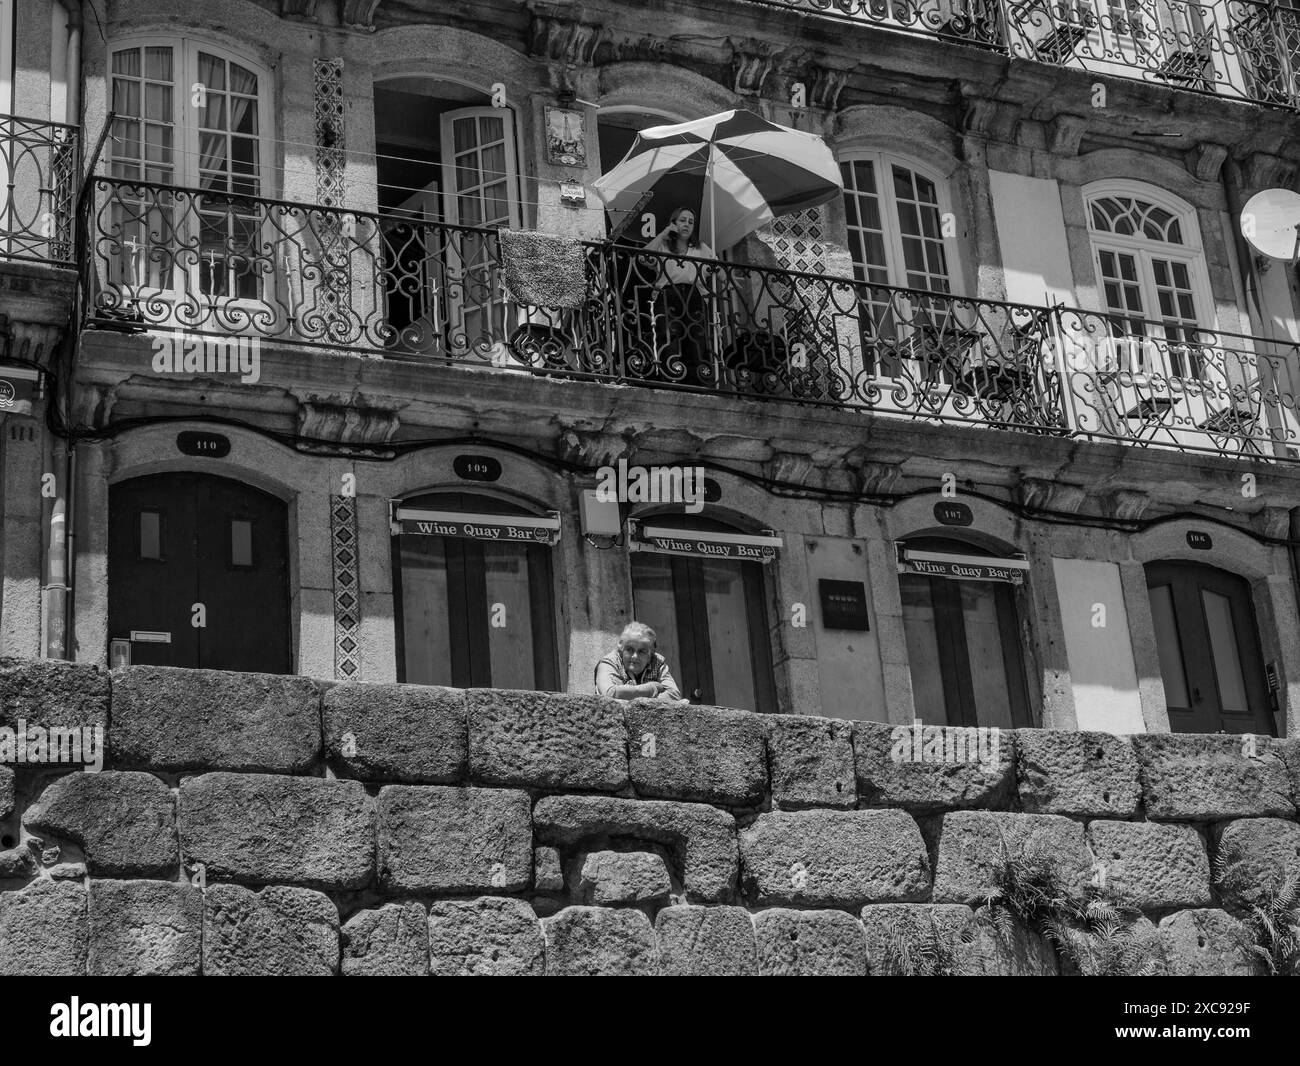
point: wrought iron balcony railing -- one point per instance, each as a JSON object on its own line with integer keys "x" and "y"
{"x": 1245, "y": 49}
{"x": 213, "y": 264}
{"x": 38, "y": 178}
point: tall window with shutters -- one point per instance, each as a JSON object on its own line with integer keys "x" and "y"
{"x": 1152, "y": 279}
{"x": 894, "y": 212}
{"x": 193, "y": 117}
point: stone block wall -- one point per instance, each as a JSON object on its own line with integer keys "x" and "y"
{"x": 249, "y": 824}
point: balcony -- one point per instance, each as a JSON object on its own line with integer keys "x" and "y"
{"x": 1241, "y": 49}
{"x": 38, "y": 180}
{"x": 162, "y": 258}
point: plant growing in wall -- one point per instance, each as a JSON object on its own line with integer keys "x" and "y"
{"x": 1273, "y": 925}
{"x": 1098, "y": 935}
{"x": 928, "y": 952}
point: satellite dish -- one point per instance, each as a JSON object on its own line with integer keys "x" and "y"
{"x": 1270, "y": 221}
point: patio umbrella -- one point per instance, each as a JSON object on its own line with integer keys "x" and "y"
{"x": 736, "y": 170}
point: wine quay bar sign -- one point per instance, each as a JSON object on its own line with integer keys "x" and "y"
{"x": 527, "y": 529}
{"x": 962, "y": 567}
{"x": 702, "y": 543}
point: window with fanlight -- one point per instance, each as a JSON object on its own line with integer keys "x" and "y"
{"x": 190, "y": 137}
{"x": 1152, "y": 278}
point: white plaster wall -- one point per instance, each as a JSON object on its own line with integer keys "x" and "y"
{"x": 852, "y": 683}
{"x": 1031, "y": 235}
{"x": 1102, "y": 671}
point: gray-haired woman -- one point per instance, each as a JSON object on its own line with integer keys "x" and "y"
{"x": 635, "y": 670}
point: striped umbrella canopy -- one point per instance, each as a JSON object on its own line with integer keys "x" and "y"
{"x": 736, "y": 170}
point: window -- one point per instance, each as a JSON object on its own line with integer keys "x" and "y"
{"x": 192, "y": 115}
{"x": 963, "y": 646}
{"x": 1152, "y": 278}
{"x": 474, "y": 613}
{"x": 895, "y": 213}
{"x": 710, "y": 618}
{"x": 7, "y": 47}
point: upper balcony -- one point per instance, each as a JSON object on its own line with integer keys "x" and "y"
{"x": 256, "y": 270}
{"x": 38, "y": 176}
{"x": 1239, "y": 49}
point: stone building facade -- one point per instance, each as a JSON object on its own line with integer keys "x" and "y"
{"x": 1030, "y": 332}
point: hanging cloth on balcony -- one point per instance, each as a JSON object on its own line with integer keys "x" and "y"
{"x": 736, "y": 170}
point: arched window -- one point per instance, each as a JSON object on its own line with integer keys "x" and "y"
{"x": 473, "y": 613}
{"x": 963, "y": 642}
{"x": 1146, "y": 249}
{"x": 711, "y": 621}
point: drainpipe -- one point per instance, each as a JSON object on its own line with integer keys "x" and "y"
{"x": 73, "y": 65}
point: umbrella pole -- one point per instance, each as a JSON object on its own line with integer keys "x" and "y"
{"x": 711, "y": 303}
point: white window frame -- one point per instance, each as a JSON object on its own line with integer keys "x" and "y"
{"x": 8, "y": 45}
{"x": 1191, "y": 252}
{"x": 883, "y": 162}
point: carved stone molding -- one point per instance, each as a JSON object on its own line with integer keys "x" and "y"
{"x": 1128, "y": 505}
{"x": 359, "y": 14}
{"x": 592, "y": 449}
{"x": 985, "y": 117}
{"x": 1064, "y": 134}
{"x": 1205, "y": 160}
{"x": 299, "y": 9}
{"x": 32, "y": 342}
{"x": 1265, "y": 171}
{"x": 1275, "y": 521}
{"x": 557, "y": 34}
{"x": 752, "y": 62}
{"x": 825, "y": 85}
{"x": 1039, "y": 494}
{"x": 345, "y": 419}
{"x": 878, "y": 479}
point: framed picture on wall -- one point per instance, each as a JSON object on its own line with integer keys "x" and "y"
{"x": 566, "y": 136}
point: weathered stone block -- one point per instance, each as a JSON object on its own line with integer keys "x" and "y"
{"x": 834, "y": 858}
{"x": 916, "y": 939}
{"x": 415, "y": 734}
{"x": 1091, "y": 775}
{"x": 1288, "y": 750}
{"x": 1005, "y": 948}
{"x": 1196, "y": 777}
{"x": 44, "y": 930}
{"x": 49, "y": 692}
{"x": 548, "y": 872}
{"x": 1206, "y": 943}
{"x": 623, "y": 877}
{"x": 946, "y": 769}
{"x": 439, "y": 839}
{"x": 1257, "y": 856}
{"x": 125, "y": 823}
{"x": 544, "y": 740}
{"x": 488, "y": 936}
{"x": 6, "y": 792}
{"x": 167, "y": 718}
{"x": 17, "y": 863}
{"x": 1151, "y": 866}
{"x": 809, "y": 944}
{"x": 703, "y": 838}
{"x": 683, "y": 752}
{"x": 598, "y": 942}
{"x": 811, "y": 762}
{"x": 706, "y": 942}
{"x": 145, "y": 928}
{"x": 274, "y": 829}
{"x": 972, "y": 843}
{"x": 277, "y": 932}
{"x": 390, "y": 941}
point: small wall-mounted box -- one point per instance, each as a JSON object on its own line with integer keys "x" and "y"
{"x": 844, "y": 604}
{"x": 600, "y": 518}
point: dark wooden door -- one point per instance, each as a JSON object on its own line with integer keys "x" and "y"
{"x": 1208, "y": 646}
{"x": 177, "y": 540}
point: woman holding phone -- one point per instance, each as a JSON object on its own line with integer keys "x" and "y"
{"x": 682, "y": 297}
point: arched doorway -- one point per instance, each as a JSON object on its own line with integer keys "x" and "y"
{"x": 963, "y": 642}
{"x": 1208, "y": 646}
{"x": 473, "y": 612}
{"x": 181, "y": 541}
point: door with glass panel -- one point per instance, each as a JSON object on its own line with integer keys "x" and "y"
{"x": 474, "y": 613}
{"x": 479, "y": 178}
{"x": 1208, "y": 646}
{"x": 187, "y": 143}
{"x": 963, "y": 646}
{"x": 711, "y": 622}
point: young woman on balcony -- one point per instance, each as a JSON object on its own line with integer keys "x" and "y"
{"x": 681, "y": 300}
